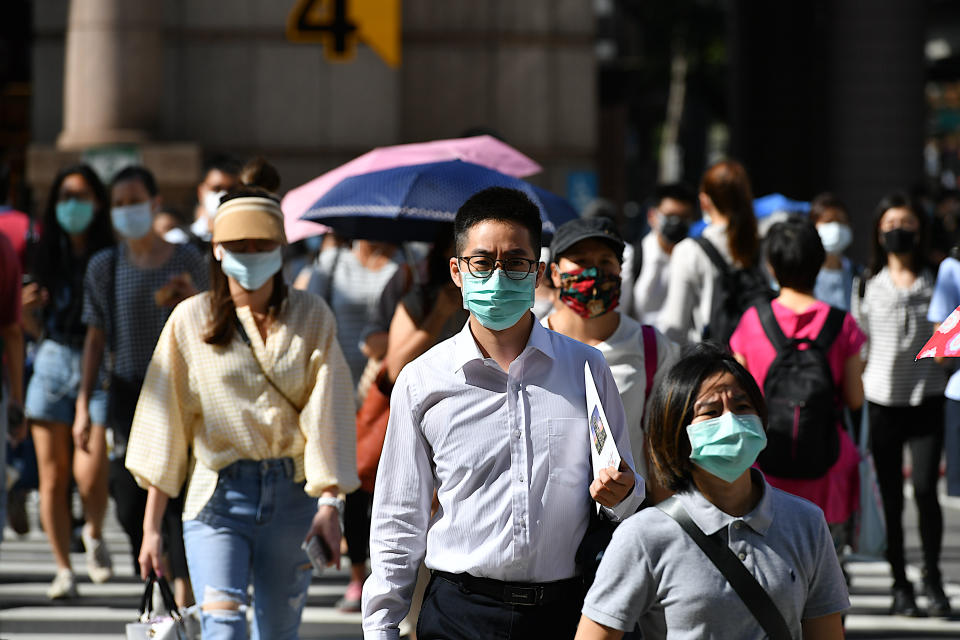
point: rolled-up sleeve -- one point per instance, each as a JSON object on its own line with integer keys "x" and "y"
{"x": 167, "y": 410}
{"x": 613, "y": 408}
{"x": 328, "y": 420}
{"x": 401, "y": 514}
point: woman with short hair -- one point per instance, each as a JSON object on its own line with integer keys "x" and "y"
{"x": 705, "y": 427}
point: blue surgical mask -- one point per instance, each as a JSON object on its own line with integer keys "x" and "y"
{"x": 251, "y": 270}
{"x": 497, "y": 302}
{"x": 74, "y": 216}
{"x": 727, "y": 446}
{"x": 132, "y": 221}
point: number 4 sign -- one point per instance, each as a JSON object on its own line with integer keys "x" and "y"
{"x": 339, "y": 24}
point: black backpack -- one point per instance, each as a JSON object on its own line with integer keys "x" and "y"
{"x": 802, "y": 403}
{"x": 736, "y": 291}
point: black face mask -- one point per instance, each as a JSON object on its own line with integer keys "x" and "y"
{"x": 899, "y": 240}
{"x": 674, "y": 229}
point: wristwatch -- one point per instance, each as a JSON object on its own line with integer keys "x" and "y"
{"x": 337, "y": 503}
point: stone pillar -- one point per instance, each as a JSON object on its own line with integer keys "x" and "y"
{"x": 114, "y": 72}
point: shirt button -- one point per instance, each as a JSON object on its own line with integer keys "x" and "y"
{"x": 742, "y": 555}
{"x": 515, "y": 386}
{"x": 518, "y": 434}
{"x": 521, "y": 479}
{"x": 738, "y": 524}
{"x": 523, "y": 523}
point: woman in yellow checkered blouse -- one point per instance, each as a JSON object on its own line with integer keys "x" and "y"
{"x": 249, "y": 379}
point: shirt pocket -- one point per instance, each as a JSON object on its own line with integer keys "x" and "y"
{"x": 569, "y": 451}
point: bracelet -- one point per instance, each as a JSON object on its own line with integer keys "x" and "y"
{"x": 337, "y": 503}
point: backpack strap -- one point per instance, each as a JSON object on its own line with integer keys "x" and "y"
{"x": 713, "y": 254}
{"x": 744, "y": 583}
{"x": 770, "y": 326}
{"x": 831, "y": 328}
{"x": 649, "y": 356}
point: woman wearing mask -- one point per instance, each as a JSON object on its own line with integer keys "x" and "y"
{"x": 76, "y": 224}
{"x": 904, "y": 398}
{"x": 835, "y": 281}
{"x": 706, "y": 425}
{"x": 726, "y": 197}
{"x": 250, "y": 378}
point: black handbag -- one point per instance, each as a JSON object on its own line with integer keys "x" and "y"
{"x": 758, "y": 601}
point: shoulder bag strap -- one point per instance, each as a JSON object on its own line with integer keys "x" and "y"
{"x": 713, "y": 254}
{"x": 649, "y": 356}
{"x": 758, "y": 601}
{"x": 112, "y": 308}
{"x": 246, "y": 339}
{"x": 831, "y": 328}
{"x": 771, "y": 327}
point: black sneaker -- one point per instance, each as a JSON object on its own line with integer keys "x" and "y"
{"x": 904, "y": 604}
{"x": 939, "y": 604}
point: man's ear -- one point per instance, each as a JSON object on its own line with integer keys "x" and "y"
{"x": 455, "y": 272}
{"x": 541, "y": 269}
{"x": 555, "y": 275}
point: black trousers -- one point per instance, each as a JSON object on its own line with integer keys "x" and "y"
{"x": 452, "y": 613}
{"x": 131, "y": 503}
{"x": 356, "y": 525}
{"x": 921, "y": 428}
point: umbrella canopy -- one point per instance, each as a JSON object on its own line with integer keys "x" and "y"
{"x": 486, "y": 151}
{"x": 777, "y": 202}
{"x": 414, "y": 202}
{"x": 946, "y": 339}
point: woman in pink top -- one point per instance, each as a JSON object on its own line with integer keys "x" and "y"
{"x": 795, "y": 253}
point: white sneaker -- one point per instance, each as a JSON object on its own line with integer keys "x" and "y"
{"x": 99, "y": 563}
{"x": 63, "y": 586}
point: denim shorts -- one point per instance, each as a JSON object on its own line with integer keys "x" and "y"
{"x": 52, "y": 393}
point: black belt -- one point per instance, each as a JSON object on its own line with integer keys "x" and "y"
{"x": 522, "y": 593}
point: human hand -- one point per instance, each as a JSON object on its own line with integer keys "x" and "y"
{"x": 32, "y": 296}
{"x": 178, "y": 288}
{"x": 326, "y": 524}
{"x": 81, "y": 427}
{"x": 612, "y": 486}
{"x": 151, "y": 554}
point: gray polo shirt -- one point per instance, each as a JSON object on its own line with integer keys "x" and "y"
{"x": 654, "y": 574}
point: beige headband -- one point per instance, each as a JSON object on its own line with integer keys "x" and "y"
{"x": 248, "y": 217}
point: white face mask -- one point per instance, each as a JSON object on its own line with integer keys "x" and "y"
{"x": 132, "y": 221}
{"x": 211, "y": 201}
{"x": 835, "y": 236}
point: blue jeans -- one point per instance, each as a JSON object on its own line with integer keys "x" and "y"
{"x": 252, "y": 528}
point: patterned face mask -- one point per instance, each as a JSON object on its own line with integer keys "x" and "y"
{"x": 590, "y": 292}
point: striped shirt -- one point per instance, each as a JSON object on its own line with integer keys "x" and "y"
{"x": 895, "y": 321}
{"x": 215, "y": 401}
{"x": 509, "y": 456}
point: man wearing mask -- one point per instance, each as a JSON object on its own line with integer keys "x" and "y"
{"x": 670, "y": 219}
{"x": 220, "y": 175}
{"x": 835, "y": 281}
{"x": 586, "y": 263}
{"x": 493, "y": 419}
{"x": 129, "y": 291}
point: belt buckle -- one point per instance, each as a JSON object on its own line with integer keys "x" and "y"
{"x": 527, "y": 596}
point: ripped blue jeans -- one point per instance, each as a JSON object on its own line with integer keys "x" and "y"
{"x": 251, "y": 530}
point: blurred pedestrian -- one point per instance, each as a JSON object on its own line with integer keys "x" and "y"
{"x": 585, "y": 267}
{"x": 76, "y": 225}
{"x": 674, "y": 210}
{"x": 129, "y": 292}
{"x": 695, "y": 290}
{"x": 835, "y": 281}
{"x": 904, "y": 398}
{"x": 250, "y": 379}
{"x": 706, "y": 425}
{"x": 946, "y": 298}
{"x": 220, "y": 175}
{"x": 492, "y": 420}
{"x": 12, "y": 426}
{"x": 795, "y": 253}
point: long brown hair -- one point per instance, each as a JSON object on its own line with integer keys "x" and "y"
{"x": 223, "y": 312}
{"x": 728, "y": 186}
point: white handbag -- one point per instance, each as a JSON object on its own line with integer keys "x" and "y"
{"x": 157, "y": 627}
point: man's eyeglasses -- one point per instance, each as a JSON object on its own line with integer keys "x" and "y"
{"x": 514, "y": 268}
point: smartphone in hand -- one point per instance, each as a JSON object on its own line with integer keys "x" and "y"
{"x": 317, "y": 552}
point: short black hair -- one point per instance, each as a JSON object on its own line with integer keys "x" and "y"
{"x": 223, "y": 163}
{"x": 136, "y": 172}
{"x": 675, "y": 191}
{"x": 918, "y": 255}
{"x": 502, "y": 205}
{"x": 795, "y": 253}
{"x": 824, "y": 201}
{"x": 671, "y": 410}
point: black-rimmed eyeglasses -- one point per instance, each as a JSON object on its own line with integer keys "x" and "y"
{"x": 514, "y": 268}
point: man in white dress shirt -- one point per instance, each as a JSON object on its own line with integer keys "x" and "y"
{"x": 670, "y": 220}
{"x": 493, "y": 419}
